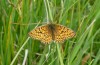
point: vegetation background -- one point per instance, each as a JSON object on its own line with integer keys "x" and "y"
{"x": 18, "y": 17}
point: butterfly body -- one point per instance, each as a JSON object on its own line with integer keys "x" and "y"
{"x": 51, "y": 32}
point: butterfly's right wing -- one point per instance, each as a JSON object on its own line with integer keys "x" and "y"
{"x": 61, "y": 33}
{"x": 41, "y": 33}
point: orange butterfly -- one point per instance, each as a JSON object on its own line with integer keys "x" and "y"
{"x": 52, "y": 32}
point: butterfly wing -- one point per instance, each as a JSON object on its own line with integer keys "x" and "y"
{"x": 61, "y": 33}
{"x": 41, "y": 33}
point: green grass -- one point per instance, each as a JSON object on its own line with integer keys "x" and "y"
{"x": 17, "y": 18}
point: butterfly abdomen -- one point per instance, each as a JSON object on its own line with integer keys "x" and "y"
{"x": 52, "y": 29}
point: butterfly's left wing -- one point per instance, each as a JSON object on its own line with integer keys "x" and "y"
{"x": 61, "y": 33}
{"x": 42, "y": 33}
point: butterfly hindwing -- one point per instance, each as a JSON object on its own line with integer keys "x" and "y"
{"x": 61, "y": 33}
{"x": 42, "y": 33}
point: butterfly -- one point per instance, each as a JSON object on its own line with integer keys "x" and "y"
{"x": 51, "y": 32}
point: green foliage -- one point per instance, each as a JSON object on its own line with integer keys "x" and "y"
{"x": 18, "y": 17}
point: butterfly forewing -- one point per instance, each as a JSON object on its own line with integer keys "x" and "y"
{"x": 61, "y": 33}
{"x": 42, "y": 33}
